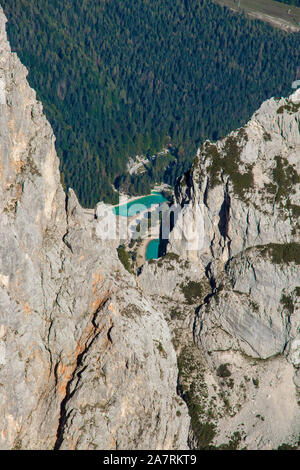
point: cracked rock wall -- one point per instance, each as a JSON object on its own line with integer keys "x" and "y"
{"x": 85, "y": 360}
{"x": 246, "y": 184}
{"x": 246, "y": 327}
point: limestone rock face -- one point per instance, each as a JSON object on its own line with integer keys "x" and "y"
{"x": 247, "y": 186}
{"x": 88, "y": 351}
{"x": 238, "y": 233}
{"x": 86, "y": 362}
{"x": 256, "y": 310}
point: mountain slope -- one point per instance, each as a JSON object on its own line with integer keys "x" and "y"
{"x": 85, "y": 360}
{"x": 88, "y": 351}
{"x": 122, "y": 78}
{"x": 232, "y": 275}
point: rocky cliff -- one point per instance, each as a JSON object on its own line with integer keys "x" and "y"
{"x": 86, "y": 362}
{"x": 233, "y": 267}
{"x": 92, "y": 357}
{"x": 247, "y": 185}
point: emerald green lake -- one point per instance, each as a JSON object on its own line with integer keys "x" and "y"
{"x": 152, "y": 250}
{"x": 139, "y": 205}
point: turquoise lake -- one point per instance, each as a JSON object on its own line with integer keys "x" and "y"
{"x": 139, "y": 205}
{"x": 152, "y": 249}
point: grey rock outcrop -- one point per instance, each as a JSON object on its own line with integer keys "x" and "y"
{"x": 238, "y": 232}
{"x": 247, "y": 186}
{"x": 85, "y": 361}
{"x": 88, "y": 351}
{"x": 256, "y": 310}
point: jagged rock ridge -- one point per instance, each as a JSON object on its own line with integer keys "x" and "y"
{"x": 238, "y": 232}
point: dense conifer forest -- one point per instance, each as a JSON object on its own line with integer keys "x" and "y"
{"x": 124, "y": 77}
{"x": 296, "y": 3}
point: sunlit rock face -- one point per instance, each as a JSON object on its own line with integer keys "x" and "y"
{"x": 247, "y": 184}
{"x": 86, "y": 362}
{"x": 242, "y": 193}
{"x": 88, "y": 351}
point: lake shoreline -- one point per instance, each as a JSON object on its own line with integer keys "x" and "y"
{"x": 153, "y": 193}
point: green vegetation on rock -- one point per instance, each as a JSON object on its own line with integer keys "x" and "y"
{"x": 290, "y": 107}
{"x": 125, "y": 258}
{"x": 287, "y": 302}
{"x": 204, "y": 431}
{"x": 281, "y": 253}
{"x": 227, "y": 163}
{"x": 194, "y": 391}
{"x": 193, "y": 292}
{"x": 223, "y": 371}
{"x": 285, "y": 177}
